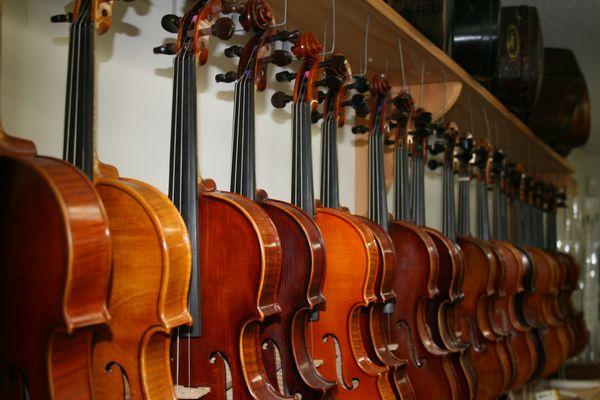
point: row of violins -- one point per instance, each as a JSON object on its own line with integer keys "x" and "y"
{"x": 110, "y": 289}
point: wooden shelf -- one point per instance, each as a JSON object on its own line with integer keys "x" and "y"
{"x": 386, "y": 27}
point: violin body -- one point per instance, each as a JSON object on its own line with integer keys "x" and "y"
{"x": 240, "y": 267}
{"x": 148, "y": 294}
{"x": 352, "y": 259}
{"x": 525, "y": 353}
{"x": 541, "y": 309}
{"x": 442, "y": 312}
{"x": 415, "y": 284}
{"x": 302, "y": 273}
{"x": 490, "y": 359}
{"x": 374, "y": 318}
{"x": 55, "y": 251}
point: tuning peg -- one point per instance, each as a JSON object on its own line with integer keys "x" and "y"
{"x": 388, "y": 142}
{"x": 62, "y": 18}
{"x": 223, "y": 28}
{"x": 437, "y": 148}
{"x": 167, "y": 49}
{"x": 321, "y": 96}
{"x": 281, "y": 58}
{"x": 227, "y": 77}
{"x": 359, "y": 129}
{"x": 284, "y": 36}
{"x": 233, "y": 51}
{"x": 357, "y": 102}
{"x": 360, "y": 84}
{"x": 285, "y": 76}
{"x": 315, "y": 116}
{"x": 280, "y": 99}
{"x": 434, "y": 164}
{"x": 170, "y": 23}
{"x": 363, "y": 112}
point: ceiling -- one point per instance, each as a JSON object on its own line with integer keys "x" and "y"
{"x": 575, "y": 24}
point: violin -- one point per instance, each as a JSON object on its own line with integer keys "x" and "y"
{"x": 508, "y": 314}
{"x": 303, "y": 263}
{"x": 483, "y": 274}
{"x": 352, "y": 259}
{"x": 126, "y": 351}
{"x": 55, "y": 251}
{"x": 375, "y": 318}
{"x": 234, "y": 243}
{"x": 541, "y": 308}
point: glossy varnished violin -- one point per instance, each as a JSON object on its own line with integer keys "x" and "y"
{"x": 55, "y": 252}
{"x": 303, "y": 263}
{"x": 150, "y": 245}
{"x": 235, "y": 244}
{"x": 374, "y": 319}
{"x": 352, "y": 260}
{"x": 483, "y": 274}
{"x": 517, "y": 270}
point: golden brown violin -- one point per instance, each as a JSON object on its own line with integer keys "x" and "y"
{"x": 55, "y": 252}
{"x": 303, "y": 250}
{"x": 483, "y": 275}
{"x": 234, "y": 243}
{"x": 352, "y": 259}
{"x": 150, "y": 248}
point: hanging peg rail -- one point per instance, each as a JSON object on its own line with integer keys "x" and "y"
{"x": 388, "y": 32}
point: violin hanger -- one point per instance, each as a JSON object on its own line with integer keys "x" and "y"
{"x": 421, "y": 85}
{"x": 402, "y": 70}
{"x": 334, "y": 26}
{"x": 365, "y": 59}
{"x": 285, "y": 17}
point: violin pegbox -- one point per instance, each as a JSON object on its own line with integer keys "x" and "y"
{"x": 195, "y": 28}
{"x": 403, "y": 107}
{"x": 99, "y": 11}
{"x": 337, "y": 76}
{"x": 483, "y": 161}
{"x": 446, "y": 138}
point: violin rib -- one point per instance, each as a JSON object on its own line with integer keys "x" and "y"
{"x": 55, "y": 247}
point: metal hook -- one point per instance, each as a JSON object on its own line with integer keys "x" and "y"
{"x": 496, "y": 134}
{"x": 363, "y": 71}
{"x": 443, "y": 119}
{"x": 401, "y": 53}
{"x": 487, "y": 125}
{"x": 421, "y": 84}
{"x": 325, "y": 52}
{"x": 285, "y": 16}
{"x": 385, "y": 69}
{"x": 470, "y": 114}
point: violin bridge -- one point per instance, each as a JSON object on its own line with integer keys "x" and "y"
{"x": 188, "y": 393}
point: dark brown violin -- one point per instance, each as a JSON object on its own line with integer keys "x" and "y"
{"x": 236, "y": 247}
{"x": 303, "y": 263}
{"x": 409, "y": 332}
{"x": 483, "y": 275}
{"x": 352, "y": 258}
{"x": 55, "y": 252}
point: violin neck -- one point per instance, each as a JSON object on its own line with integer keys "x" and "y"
{"x": 330, "y": 193}
{"x": 449, "y": 207}
{"x": 243, "y": 171}
{"x": 500, "y": 230}
{"x": 183, "y": 165}
{"x": 401, "y": 181}
{"x": 551, "y": 231}
{"x": 483, "y": 217}
{"x": 302, "y": 168}
{"x": 464, "y": 204}
{"x": 378, "y": 211}
{"x": 418, "y": 191}
{"x": 78, "y": 146}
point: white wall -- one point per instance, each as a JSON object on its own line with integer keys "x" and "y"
{"x": 134, "y": 101}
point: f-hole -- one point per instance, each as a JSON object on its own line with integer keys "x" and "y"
{"x": 479, "y": 347}
{"x": 228, "y": 377}
{"x": 339, "y": 362}
{"x": 16, "y": 376}
{"x": 417, "y": 361}
{"x": 126, "y": 388}
{"x": 272, "y": 358}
